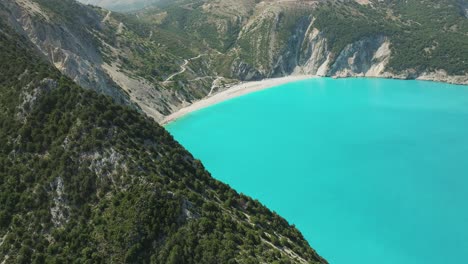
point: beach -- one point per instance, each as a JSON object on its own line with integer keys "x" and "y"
{"x": 232, "y": 92}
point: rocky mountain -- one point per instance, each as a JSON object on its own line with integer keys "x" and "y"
{"x": 165, "y": 57}
{"x": 84, "y": 179}
{"x": 86, "y": 175}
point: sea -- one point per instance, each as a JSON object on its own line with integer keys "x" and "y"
{"x": 371, "y": 171}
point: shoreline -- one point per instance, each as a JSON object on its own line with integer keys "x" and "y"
{"x": 233, "y": 92}
{"x": 244, "y": 88}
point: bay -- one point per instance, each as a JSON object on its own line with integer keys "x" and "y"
{"x": 369, "y": 170}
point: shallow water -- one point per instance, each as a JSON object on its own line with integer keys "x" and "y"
{"x": 371, "y": 171}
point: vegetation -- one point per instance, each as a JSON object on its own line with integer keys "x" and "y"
{"x": 200, "y": 26}
{"x": 84, "y": 180}
{"x": 426, "y": 35}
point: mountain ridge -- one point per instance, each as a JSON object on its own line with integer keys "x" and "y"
{"x": 131, "y": 56}
{"x": 86, "y": 174}
{"x": 84, "y": 179}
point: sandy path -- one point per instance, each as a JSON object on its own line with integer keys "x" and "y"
{"x": 106, "y": 17}
{"x": 234, "y": 91}
{"x": 213, "y": 85}
{"x": 183, "y": 68}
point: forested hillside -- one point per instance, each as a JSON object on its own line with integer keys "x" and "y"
{"x": 86, "y": 180}
{"x": 86, "y": 174}
{"x": 426, "y": 35}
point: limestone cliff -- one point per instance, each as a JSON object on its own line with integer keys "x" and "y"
{"x": 164, "y": 58}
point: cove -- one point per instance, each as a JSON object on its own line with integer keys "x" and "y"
{"x": 371, "y": 171}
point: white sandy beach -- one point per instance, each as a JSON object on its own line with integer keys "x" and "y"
{"x": 232, "y": 92}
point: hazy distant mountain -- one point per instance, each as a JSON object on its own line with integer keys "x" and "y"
{"x": 121, "y": 5}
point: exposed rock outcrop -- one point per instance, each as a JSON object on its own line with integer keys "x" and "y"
{"x": 442, "y": 75}
{"x": 360, "y": 58}
{"x": 238, "y": 42}
{"x": 60, "y": 209}
{"x": 74, "y": 51}
{"x": 367, "y": 57}
{"x": 315, "y": 56}
{"x": 31, "y": 94}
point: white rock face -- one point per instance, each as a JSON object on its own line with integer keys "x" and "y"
{"x": 380, "y": 60}
{"x": 367, "y": 57}
{"x": 442, "y": 75}
{"x": 315, "y": 55}
{"x": 323, "y": 69}
{"x": 60, "y": 209}
{"x": 360, "y": 57}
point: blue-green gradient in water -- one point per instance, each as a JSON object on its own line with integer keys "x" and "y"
{"x": 371, "y": 171}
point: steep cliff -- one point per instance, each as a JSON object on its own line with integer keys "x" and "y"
{"x": 163, "y": 58}
{"x": 355, "y": 39}
{"x": 338, "y": 38}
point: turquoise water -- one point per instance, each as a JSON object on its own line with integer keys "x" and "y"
{"x": 371, "y": 171}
